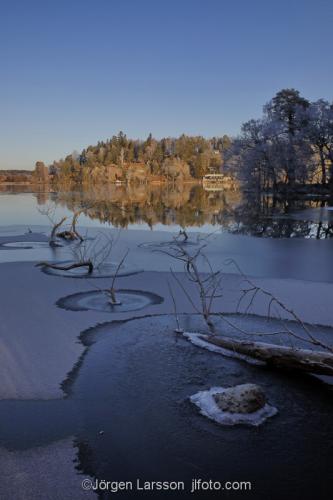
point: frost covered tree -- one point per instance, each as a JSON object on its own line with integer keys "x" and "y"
{"x": 284, "y": 147}
{"x": 319, "y": 133}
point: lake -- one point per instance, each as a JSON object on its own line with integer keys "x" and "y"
{"x": 267, "y": 237}
{"x": 116, "y": 382}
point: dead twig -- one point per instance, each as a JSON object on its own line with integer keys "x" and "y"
{"x": 178, "y": 329}
{"x": 111, "y": 291}
{"x": 253, "y": 290}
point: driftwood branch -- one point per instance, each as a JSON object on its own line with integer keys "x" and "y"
{"x": 87, "y": 264}
{"x": 72, "y": 233}
{"x": 278, "y": 356}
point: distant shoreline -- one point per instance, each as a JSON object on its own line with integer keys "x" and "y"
{"x": 123, "y": 183}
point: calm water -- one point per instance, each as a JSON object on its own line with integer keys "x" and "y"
{"x": 170, "y": 207}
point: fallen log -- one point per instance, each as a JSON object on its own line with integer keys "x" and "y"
{"x": 87, "y": 264}
{"x": 283, "y": 357}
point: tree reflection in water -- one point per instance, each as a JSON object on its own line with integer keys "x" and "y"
{"x": 189, "y": 205}
{"x": 274, "y": 217}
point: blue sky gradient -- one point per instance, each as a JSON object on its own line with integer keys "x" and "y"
{"x": 78, "y": 71}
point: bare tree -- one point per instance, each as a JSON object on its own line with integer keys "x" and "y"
{"x": 318, "y": 131}
{"x": 111, "y": 291}
{"x": 49, "y": 212}
{"x": 208, "y": 286}
{"x": 97, "y": 250}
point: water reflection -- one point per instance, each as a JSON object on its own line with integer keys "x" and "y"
{"x": 192, "y": 206}
{"x": 189, "y": 205}
{"x": 266, "y": 216}
{"x": 184, "y": 205}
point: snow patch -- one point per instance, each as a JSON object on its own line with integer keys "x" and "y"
{"x": 199, "y": 340}
{"x": 205, "y": 401}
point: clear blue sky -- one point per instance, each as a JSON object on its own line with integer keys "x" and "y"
{"x": 77, "y": 71}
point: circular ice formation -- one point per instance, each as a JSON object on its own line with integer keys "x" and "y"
{"x": 208, "y": 406}
{"x": 99, "y": 300}
{"x": 24, "y": 245}
{"x": 106, "y": 270}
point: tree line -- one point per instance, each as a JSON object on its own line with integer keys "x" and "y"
{"x": 15, "y": 176}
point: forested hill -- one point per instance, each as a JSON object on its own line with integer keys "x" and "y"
{"x": 121, "y": 158}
